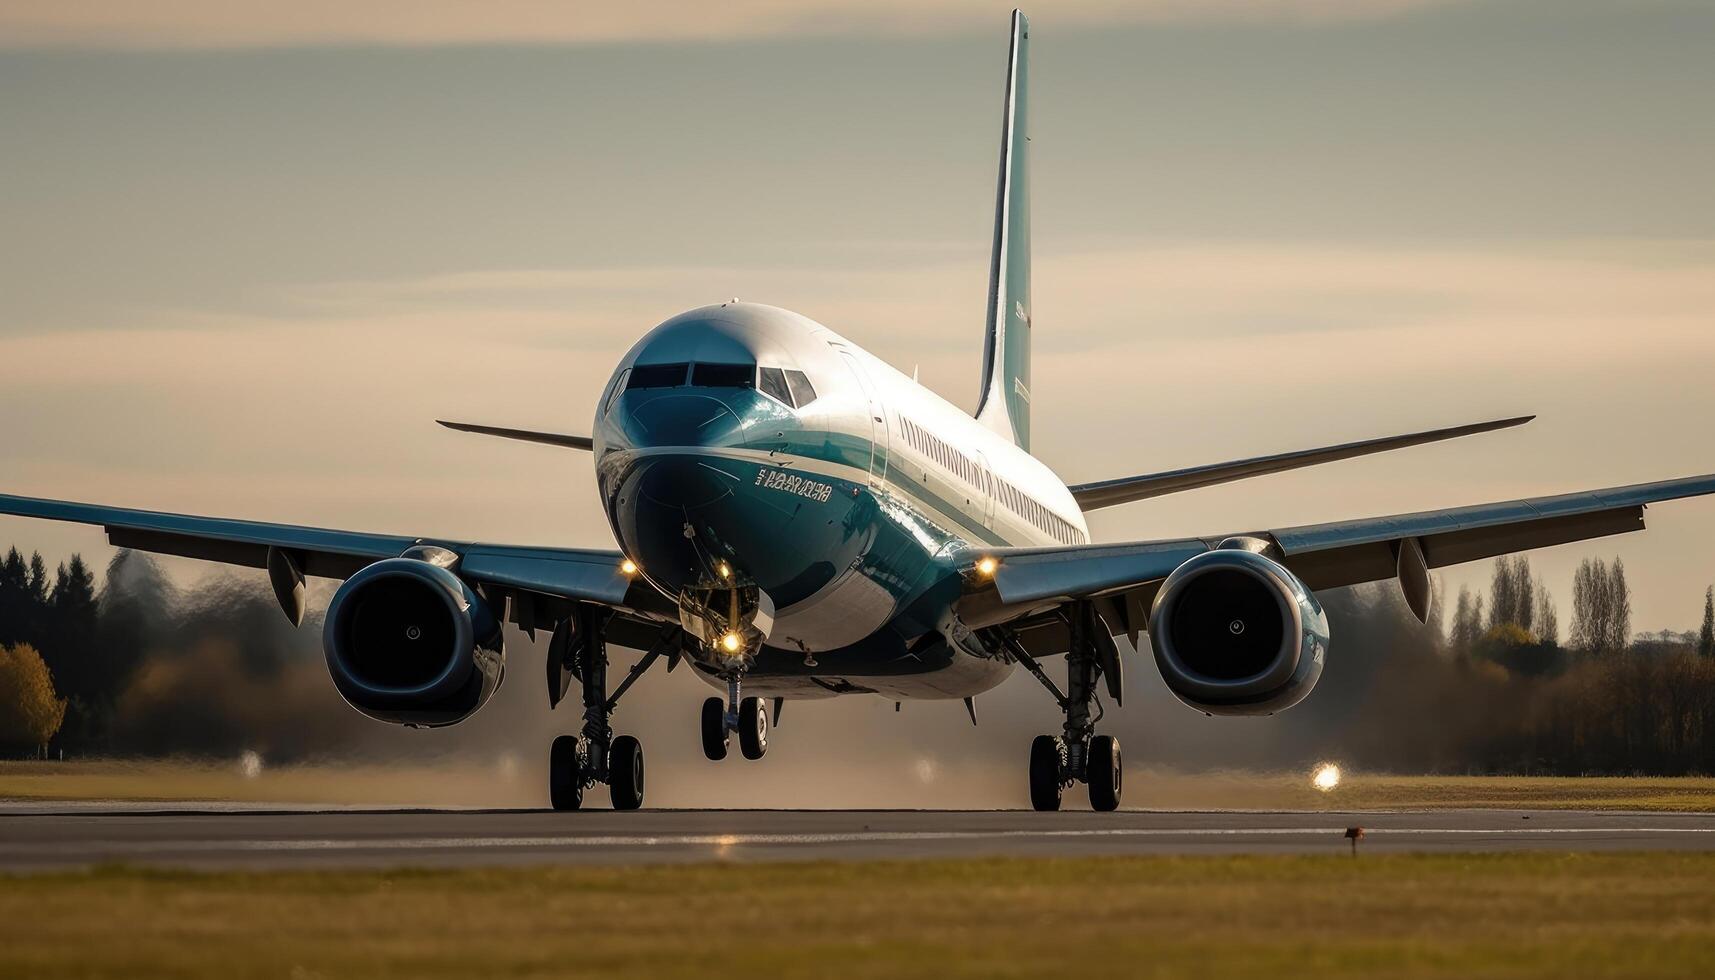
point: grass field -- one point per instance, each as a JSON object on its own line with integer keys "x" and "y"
{"x": 1516, "y": 915}
{"x": 473, "y": 786}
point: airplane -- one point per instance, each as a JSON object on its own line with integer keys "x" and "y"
{"x": 796, "y": 519}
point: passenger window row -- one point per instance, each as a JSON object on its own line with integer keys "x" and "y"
{"x": 950, "y": 459}
{"x": 1027, "y": 507}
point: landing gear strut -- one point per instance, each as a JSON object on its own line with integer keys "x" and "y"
{"x": 746, "y": 716}
{"x": 577, "y": 762}
{"x": 1078, "y": 754}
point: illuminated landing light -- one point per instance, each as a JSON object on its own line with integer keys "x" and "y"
{"x": 628, "y": 568}
{"x": 986, "y": 566}
{"x": 1326, "y": 777}
{"x": 725, "y": 570}
{"x": 731, "y": 642}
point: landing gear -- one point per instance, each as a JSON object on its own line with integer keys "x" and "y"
{"x": 1046, "y": 761}
{"x": 714, "y": 729}
{"x": 1102, "y": 772}
{"x": 625, "y": 773}
{"x": 566, "y": 773}
{"x": 752, "y": 728}
{"x": 577, "y": 762}
{"x": 1078, "y": 754}
{"x": 746, "y": 716}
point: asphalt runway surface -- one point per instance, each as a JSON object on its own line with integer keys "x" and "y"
{"x": 47, "y": 836}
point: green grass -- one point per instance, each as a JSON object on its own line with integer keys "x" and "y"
{"x": 1632, "y": 915}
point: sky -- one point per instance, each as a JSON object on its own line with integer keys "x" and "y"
{"x": 251, "y": 251}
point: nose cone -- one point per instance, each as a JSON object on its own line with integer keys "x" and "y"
{"x": 680, "y": 417}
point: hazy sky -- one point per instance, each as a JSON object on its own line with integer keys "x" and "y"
{"x": 249, "y": 255}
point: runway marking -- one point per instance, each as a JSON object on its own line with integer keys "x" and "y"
{"x": 856, "y": 837}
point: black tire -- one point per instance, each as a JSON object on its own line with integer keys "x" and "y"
{"x": 625, "y": 773}
{"x": 1104, "y": 773}
{"x": 1045, "y": 788}
{"x": 752, "y": 728}
{"x": 714, "y": 729}
{"x": 566, "y": 774}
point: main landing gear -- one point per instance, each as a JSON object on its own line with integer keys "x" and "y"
{"x": 1078, "y": 754}
{"x": 578, "y": 651}
{"x": 746, "y": 716}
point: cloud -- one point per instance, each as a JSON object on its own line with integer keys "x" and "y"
{"x": 317, "y": 405}
{"x": 217, "y": 24}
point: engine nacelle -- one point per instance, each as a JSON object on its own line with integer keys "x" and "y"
{"x": 409, "y": 642}
{"x": 1234, "y": 633}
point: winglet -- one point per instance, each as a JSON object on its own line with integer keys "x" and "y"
{"x": 523, "y": 435}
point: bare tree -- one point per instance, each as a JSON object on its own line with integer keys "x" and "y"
{"x": 1465, "y": 619}
{"x": 1592, "y": 606}
{"x": 1620, "y": 609}
{"x": 1547, "y": 618}
{"x": 1706, "y": 639}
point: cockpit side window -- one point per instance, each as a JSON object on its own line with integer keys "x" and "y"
{"x": 614, "y": 392}
{"x": 773, "y": 384}
{"x": 723, "y": 375}
{"x": 803, "y": 393}
{"x": 657, "y": 376}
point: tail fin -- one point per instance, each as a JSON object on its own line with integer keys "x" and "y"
{"x": 1005, "y": 402}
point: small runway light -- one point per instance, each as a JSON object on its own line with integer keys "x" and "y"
{"x": 628, "y": 568}
{"x": 986, "y": 566}
{"x": 731, "y": 642}
{"x": 1326, "y": 777}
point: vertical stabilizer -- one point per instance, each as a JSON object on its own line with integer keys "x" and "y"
{"x": 1004, "y": 405}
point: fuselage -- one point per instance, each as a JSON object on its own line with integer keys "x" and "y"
{"x": 746, "y": 444}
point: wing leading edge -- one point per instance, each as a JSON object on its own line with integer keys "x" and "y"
{"x": 1108, "y": 493}
{"x": 590, "y": 575}
{"x": 1330, "y": 555}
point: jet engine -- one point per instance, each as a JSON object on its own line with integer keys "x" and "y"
{"x": 411, "y": 643}
{"x": 1235, "y": 633}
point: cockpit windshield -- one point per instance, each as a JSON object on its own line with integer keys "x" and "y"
{"x": 723, "y": 375}
{"x": 790, "y": 387}
{"x": 656, "y": 376}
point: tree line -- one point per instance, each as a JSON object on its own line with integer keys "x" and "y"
{"x": 1494, "y": 684}
{"x": 49, "y": 660}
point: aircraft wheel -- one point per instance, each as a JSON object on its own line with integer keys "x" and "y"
{"x": 1045, "y": 787}
{"x": 752, "y": 728}
{"x": 714, "y": 729}
{"x": 625, "y": 773}
{"x": 1104, "y": 773}
{"x": 566, "y": 773}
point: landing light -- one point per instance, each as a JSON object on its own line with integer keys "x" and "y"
{"x": 725, "y": 570}
{"x": 986, "y": 566}
{"x": 1326, "y": 777}
{"x": 731, "y": 642}
{"x": 628, "y": 567}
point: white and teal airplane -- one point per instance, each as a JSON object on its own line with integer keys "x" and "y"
{"x": 797, "y": 519}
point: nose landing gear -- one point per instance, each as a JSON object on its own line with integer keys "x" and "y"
{"x": 746, "y": 716}
{"x": 577, "y": 762}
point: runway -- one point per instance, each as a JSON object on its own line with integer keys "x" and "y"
{"x": 46, "y": 836}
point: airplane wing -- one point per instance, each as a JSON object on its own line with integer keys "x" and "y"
{"x": 533, "y": 578}
{"x": 1324, "y": 556}
{"x": 523, "y": 435}
{"x": 1107, "y": 493}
